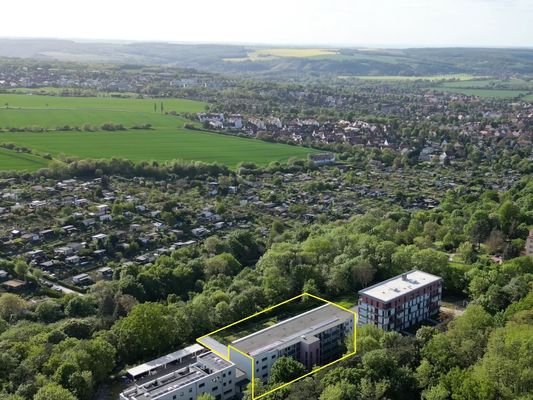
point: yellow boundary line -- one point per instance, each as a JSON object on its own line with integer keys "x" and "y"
{"x": 227, "y": 357}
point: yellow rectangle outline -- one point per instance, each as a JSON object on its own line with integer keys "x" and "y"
{"x": 227, "y": 356}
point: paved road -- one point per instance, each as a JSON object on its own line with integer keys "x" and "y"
{"x": 59, "y": 287}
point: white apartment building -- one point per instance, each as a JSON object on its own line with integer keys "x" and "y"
{"x": 183, "y": 378}
{"x": 401, "y": 301}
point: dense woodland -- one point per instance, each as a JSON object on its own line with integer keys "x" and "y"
{"x": 65, "y": 348}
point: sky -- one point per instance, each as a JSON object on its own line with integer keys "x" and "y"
{"x": 379, "y": 23}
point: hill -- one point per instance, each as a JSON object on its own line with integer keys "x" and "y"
{"x": 278, "y": 61}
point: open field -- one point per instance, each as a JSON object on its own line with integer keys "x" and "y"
{"x": 495, "y": 93}
{"x": 513, "y": 84}
{"x": 105, "y": 103}
{"x": 460, "y": 77}
{"x": 14, "y": 161}
{"x": 274, "y": 53}
{"x": 161, "y": 145}
{"x": 53, "y": 118}
{"x": 167, "y": 140}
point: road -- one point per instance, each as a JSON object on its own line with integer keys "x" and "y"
{"x": 59, "y": 287}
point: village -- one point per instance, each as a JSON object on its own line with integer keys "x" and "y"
{"x": 74, "y": 230}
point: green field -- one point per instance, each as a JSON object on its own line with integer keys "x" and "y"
{"x": 103, "y": 103}
{"x": 512, "y": 84}
{"x": 157, "y": 145}
{"x": 13, "y": 161}
{"x": 494, "y": 93}
{"x": 167, "y": 140}
{"x": 460, "y": 77}
{"x": 275, "y": 53}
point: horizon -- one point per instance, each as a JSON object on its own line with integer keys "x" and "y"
{"x": 339, "y": 23}
{"x": 357, "y": 46}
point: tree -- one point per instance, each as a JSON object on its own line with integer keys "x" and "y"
{"x": 11, "y": 306}
{"x": 80, "y": 306}
{"x": 509, "y": 214}
{"x": 148, "y": 330}
{"x": 340, "y": 391}
{"x": 479, "y": 226}
{"x": 285, "y": 369}
{"x": 21, "y": 269}
{"x": 224, "y": 264}
{"x": 53, "y": 391}
{"x": 49, "y": 311}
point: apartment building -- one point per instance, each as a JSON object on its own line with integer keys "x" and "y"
{"x": 315, "y": 337}
{"x": 183, "y": 375}
{"x": 401, "y": 301}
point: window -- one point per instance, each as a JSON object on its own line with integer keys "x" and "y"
{"x": 264, "y": 359}
{"x": 228, "y": 391}
{"x": 201, "y": 385}
{"x": 265, "y": 375}
{"x": 274, "y": 356}
{"x": 214, "y": 388}
{"x": 264, "y": 367}
{"x": 229, "y": 372}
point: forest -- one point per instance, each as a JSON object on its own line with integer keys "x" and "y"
{"x": 69, "y": 347}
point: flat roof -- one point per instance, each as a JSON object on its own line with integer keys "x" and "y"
{"x": 178, "y": 377}
{"x": 308, "y": 323}
{"x": 398, "y": 286}
{"x": 161, "y": 361}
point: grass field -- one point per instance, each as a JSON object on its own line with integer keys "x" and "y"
{"x": 156, "y": 145}
{"x": 53, "y": 118}
{"x": 495, "y": 93}
{"x": 167, "y": 140}
{"x": 13, "y": 161}
{"x": 461, "y": 77}
{"x": 104, "y": 103}
{"x": 513, "y": 84}
{"x": 274, "y": 53}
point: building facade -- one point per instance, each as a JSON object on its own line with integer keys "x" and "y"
{"x": 401, "y": 301}
{"x": 315, "y": 337}
{"x": 186, "y": 379}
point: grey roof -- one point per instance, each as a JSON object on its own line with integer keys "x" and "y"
{"x": 309, "y": 323}
{"x": 178, "y": 376}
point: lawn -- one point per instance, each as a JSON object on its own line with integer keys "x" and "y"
{"x": 167, "y": 140}
{"x": 160, "y": 145}
{"x": 13, "y": 161}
